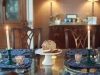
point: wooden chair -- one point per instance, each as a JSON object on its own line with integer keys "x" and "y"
{"x": 78, "y": 36}
{"x": 25, "y": 35}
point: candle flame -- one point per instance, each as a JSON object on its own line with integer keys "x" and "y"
{"x": 88, "y": 27}
{"x": 7, "y": 28}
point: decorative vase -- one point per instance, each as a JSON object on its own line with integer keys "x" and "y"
{"x": 58, "y": 22}
{"x": 65, "y": 19}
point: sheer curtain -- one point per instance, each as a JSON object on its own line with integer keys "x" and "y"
{"x": 29, "y": 10}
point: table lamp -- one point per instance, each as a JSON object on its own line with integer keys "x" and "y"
{"x": 51, "y": 17}
{"x": 93, "y": 6}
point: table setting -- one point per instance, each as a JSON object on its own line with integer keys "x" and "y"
{"x": 26, "y": 63}
{"x": 78, "y": 61}
{"x": 15, "y": 59}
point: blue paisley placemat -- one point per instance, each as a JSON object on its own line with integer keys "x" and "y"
{"x": 26, "y": 64}
{"x": 15, "y": 52}
{"x": 71, "y": 62}
{"x": 79, "y": 51}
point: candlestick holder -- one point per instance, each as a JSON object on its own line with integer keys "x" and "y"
{"x": 9, "y": 61}
{"x": 88, "y": 59}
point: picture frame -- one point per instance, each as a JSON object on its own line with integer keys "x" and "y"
{"x": 92, "y": 20}
{"x": 71, "y": 15}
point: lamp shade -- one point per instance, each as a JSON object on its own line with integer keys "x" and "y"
{"x": 93, "y": 0}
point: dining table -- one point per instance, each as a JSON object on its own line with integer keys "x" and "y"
{"x": 65, "y": 69}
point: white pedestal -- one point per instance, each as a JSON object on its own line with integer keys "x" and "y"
{"x": 47, "y": 60}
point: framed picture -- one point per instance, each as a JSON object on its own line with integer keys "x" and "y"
{"x": 71, "y": 15}
{"x": 92, "y": 20}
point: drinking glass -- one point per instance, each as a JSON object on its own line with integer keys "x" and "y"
{"x": 78, "y": 58}
{"x": 19, "y": 59}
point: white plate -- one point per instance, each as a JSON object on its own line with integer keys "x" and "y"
{"x": 41, "y": 52}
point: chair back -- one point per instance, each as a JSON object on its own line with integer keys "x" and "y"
{"x": 79, "y": 36}
{"x": 25, "y": 36}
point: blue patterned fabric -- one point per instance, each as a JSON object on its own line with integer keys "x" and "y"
{"x": 15, "y": 52}
{"x": 71, "y": 62}
{"x": 79, "y": 51}
{"x": 26, "y": 64}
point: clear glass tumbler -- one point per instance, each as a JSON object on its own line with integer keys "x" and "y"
{"x": 19, "y": 59}
{"x": 78, "y": 58}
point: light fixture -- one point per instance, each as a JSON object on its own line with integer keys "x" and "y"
{"x": 93, "y": 6}
{"x": 51, "y": 17}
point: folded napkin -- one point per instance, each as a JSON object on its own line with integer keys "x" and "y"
{"x": 15, "y": 52}
{"x": 79, "y": 51}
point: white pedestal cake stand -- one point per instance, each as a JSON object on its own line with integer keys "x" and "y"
{"x": 47, "y": 60}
